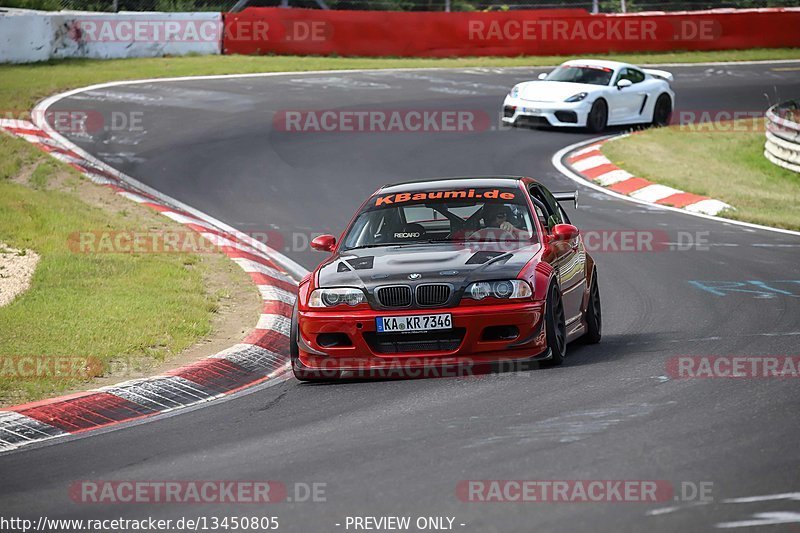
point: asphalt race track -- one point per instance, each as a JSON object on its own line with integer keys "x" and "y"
{"x": 401, "y": 447}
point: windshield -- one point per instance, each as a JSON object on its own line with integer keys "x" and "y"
{"x": 582, "y": 74}
{"x": 459, "y": 215}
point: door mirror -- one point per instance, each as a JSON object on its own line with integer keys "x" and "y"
{"x": 324, "y": 243}
{"x": 542, "y": 76}
{"x": 564, "y": 232}
{"x": 621, "y": 84}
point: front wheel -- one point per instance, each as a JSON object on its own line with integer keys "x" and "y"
{"x": 598, "y": 116}
{"x": 555, "y": 326}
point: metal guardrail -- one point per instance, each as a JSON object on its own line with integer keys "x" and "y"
{"x": 783, "y": 135}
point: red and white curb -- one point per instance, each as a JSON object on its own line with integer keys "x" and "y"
{"x": 261, "y": 356}
{"x": 593, "y": 166}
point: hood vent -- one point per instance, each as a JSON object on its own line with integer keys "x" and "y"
{"x": 481, "y": 257}
{"x": 362, "y": 263}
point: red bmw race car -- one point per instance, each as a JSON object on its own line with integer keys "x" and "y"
{"x": 446, "y": 272}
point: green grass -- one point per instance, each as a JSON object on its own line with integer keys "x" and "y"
{"x": 107, "y": 307}
{"x": 23, "y": 85}
{"x": 726, "y": 165}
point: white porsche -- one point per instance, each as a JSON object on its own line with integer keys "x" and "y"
{"x": 592, "y": 94}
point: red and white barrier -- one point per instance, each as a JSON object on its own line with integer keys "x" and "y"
{"x": 512, "y": 33}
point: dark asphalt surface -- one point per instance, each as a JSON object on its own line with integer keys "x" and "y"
{"x": 401, "y": 447}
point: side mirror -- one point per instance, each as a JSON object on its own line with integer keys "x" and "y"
{"x": 621, "y": 84}
{"x": 542, "y": 76}
{"x": 564, "y": 232}
{"x": 324, "y": 243}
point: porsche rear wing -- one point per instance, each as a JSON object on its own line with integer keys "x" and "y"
{"x": 571, "y": 196}
{"x": 661, "y": 74}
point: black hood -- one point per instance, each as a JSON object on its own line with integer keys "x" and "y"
{"x": 456, "y": 264}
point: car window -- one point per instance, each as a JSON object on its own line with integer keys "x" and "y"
{"x": 582, "y": 74}
{"x": 563, "y": 214}
{"x": 635, "y": 76}
{"x": 475, "y": 214}
{"x": 546, "y": 202}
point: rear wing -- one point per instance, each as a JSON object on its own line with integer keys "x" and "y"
{"x": 661, "y": 74}
{"x": 571, "y": 196}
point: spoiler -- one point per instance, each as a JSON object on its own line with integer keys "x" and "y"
{"x": 567, "y": 197}
{"x": 662, "y": 74}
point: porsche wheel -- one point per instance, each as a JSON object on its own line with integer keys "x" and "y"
{"x": 598, "y": 116}
{"x": 662, "y": 112}
{"x": 555, "y": 326}
{"x": 593, "y": 315}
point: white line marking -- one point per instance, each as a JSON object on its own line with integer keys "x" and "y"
{"x": 612, "y": 177}
{"x": 590, "y": 148}
{"x": 767, "y": 498}
{"x": 662, "y": 510}
{"x": 763, "y": 519}
{"x": 272, "y": 322}
{"x": 138, "y": 198}
{"x": 708, "y": 207}
{"x": 590, "y": 162}
{"x": 270, "y": 293}
{"x": 654, "y": 193}
{"x": 249, "y": 265}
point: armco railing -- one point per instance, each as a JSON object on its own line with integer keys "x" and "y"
{"x": 783, "y": 135}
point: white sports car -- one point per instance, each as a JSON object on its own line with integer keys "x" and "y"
{"x": 592, "y": 94}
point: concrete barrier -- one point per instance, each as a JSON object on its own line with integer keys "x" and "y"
{"x": 28, "y": 36}
{"x": 783, "y": 135}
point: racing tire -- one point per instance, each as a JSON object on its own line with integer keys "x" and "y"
{"x": 593, "y": 314}
{"x": 597, "y": 120}
{"x": 662, "y": 111}
{"x": 555, "y": 326}
{"x": 300, "y": 372}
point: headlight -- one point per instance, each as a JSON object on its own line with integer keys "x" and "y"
{"x": 577, "y": 97}
{"x": 514, "y": 92}
{"x": 338, "y": 296}
{"x": 505, "y": 289}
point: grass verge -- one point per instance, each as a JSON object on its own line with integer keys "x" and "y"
{"x": 24, "y": 85}
{"x": 88, "y": 315}
{"x": 723, "y": 161}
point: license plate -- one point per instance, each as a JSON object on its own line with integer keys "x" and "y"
{"x": 394, "y": 324}
{"x": 531, "y": 110}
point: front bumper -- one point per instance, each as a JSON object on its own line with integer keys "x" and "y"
{"x": 469, "y": 343}
{"x": 518, "y": 112}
